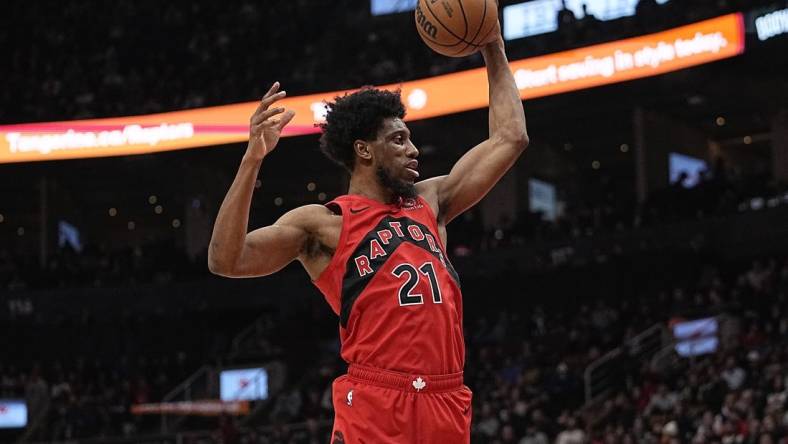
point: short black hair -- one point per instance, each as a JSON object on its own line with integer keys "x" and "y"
{"x": 357, "y": 116}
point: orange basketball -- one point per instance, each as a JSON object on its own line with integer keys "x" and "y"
{"x": 456, "y": 28}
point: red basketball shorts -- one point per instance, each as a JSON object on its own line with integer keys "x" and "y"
{"x": 374, "y": 406}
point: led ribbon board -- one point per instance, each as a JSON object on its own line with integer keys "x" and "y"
{"x": 613, "y": 62}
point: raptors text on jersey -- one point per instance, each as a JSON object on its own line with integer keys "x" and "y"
{"x": 395, "y": 291}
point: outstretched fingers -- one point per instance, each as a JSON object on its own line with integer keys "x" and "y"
{"x": 272, "y": 90}
{"x": 269, "y": 98}
{"x": 265, "y": 116}
{"x": 285, "y": 119}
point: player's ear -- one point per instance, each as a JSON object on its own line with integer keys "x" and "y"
{"x": 362, "y": 149}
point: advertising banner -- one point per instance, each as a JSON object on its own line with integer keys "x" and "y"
{"x": 245, "y": 384}
{"x": 587, "y": 67}
{"x": 206, "y": 407}
{"x": 13, "y": 413}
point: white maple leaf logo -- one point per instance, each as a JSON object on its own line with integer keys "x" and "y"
{"x": 419, "y": 384}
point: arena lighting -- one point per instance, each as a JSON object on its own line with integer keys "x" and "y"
{"x": 542, "y": 197}
{"x": 13, "y": 413}
{"x": 772, "y": 24}
{"x": 613, "y": 62}
{"x": 243, "y": 384}
{"x": 695, "y": 337}
{"x": 381, "y": 7}
{"x": 541, "y": 16}
{"x": 692, "y": 167}
{"x": 540, "y": 12}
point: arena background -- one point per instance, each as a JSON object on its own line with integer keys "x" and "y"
{"x": 609, "y": 297}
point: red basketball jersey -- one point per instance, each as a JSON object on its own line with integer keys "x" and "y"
{"x": 396, "y": 293}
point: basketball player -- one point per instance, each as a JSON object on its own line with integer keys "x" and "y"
{"x": 378, "y": 254}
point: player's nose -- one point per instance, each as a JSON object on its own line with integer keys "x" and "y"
{"x": 412, "y": 152}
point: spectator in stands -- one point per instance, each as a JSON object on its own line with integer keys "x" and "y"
{"x": 588, "y": 26}
{"x": 567, "y": 25}
{"x": 571, "y": 432}
{"x": 733, "y": 375}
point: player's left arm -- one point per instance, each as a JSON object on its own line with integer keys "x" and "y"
{"x": 482, "y": 167}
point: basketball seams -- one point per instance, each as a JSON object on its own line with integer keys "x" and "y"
{"x": 481, "y": 24}
{"x": 465, "y": 45}
{"x": 488, "y": 32}
{"x": 447, "y": 45}
{"x": 448, "y": 29}
{"x": 464, "y": 19}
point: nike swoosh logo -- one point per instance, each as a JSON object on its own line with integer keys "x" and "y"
{"x": 356, "y": 211}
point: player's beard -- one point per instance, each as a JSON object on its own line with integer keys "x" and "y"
{"x": 398, "y": 187}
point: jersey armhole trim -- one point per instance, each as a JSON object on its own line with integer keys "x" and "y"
{"x": 434, "y": 218}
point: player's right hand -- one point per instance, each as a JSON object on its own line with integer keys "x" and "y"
{"x": 266, "y": 124}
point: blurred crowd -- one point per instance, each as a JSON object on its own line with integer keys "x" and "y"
{"x": 719, "y": 192}
{"x": 526, "y": 370}
{"x": 145, "y": 56}
{"x": 80, "y": 374}
{"x": 99, "y": 266}
{"x": 531, "y": 391}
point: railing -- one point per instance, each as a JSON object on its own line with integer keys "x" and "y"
{"x": 247, "y": 337}
{"x": 38, "y": 420}
{"x": 608, "y": 372}
{"x": 202, "y": 384}
{"x": 186, "y": 390}
{"x": 665, "y": 358}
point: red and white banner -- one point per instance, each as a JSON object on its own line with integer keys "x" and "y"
{"x": 208, "y": 407}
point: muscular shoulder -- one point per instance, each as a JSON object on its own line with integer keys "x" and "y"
{"x": 429, "y": 189}
{"x": 307, "y": 217}
{"x": 322, "y": 228}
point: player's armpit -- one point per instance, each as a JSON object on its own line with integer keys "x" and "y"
{"x": 269, "y": 249}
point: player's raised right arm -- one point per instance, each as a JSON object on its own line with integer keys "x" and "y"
{"x": 233, "y": 252}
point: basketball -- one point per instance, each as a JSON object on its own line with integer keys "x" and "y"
{"x": 456, "y": 28}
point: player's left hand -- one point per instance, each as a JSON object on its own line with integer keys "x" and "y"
{"x": 266, "y": 124}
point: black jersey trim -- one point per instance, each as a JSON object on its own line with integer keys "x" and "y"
{"x": 353, "y": 284}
